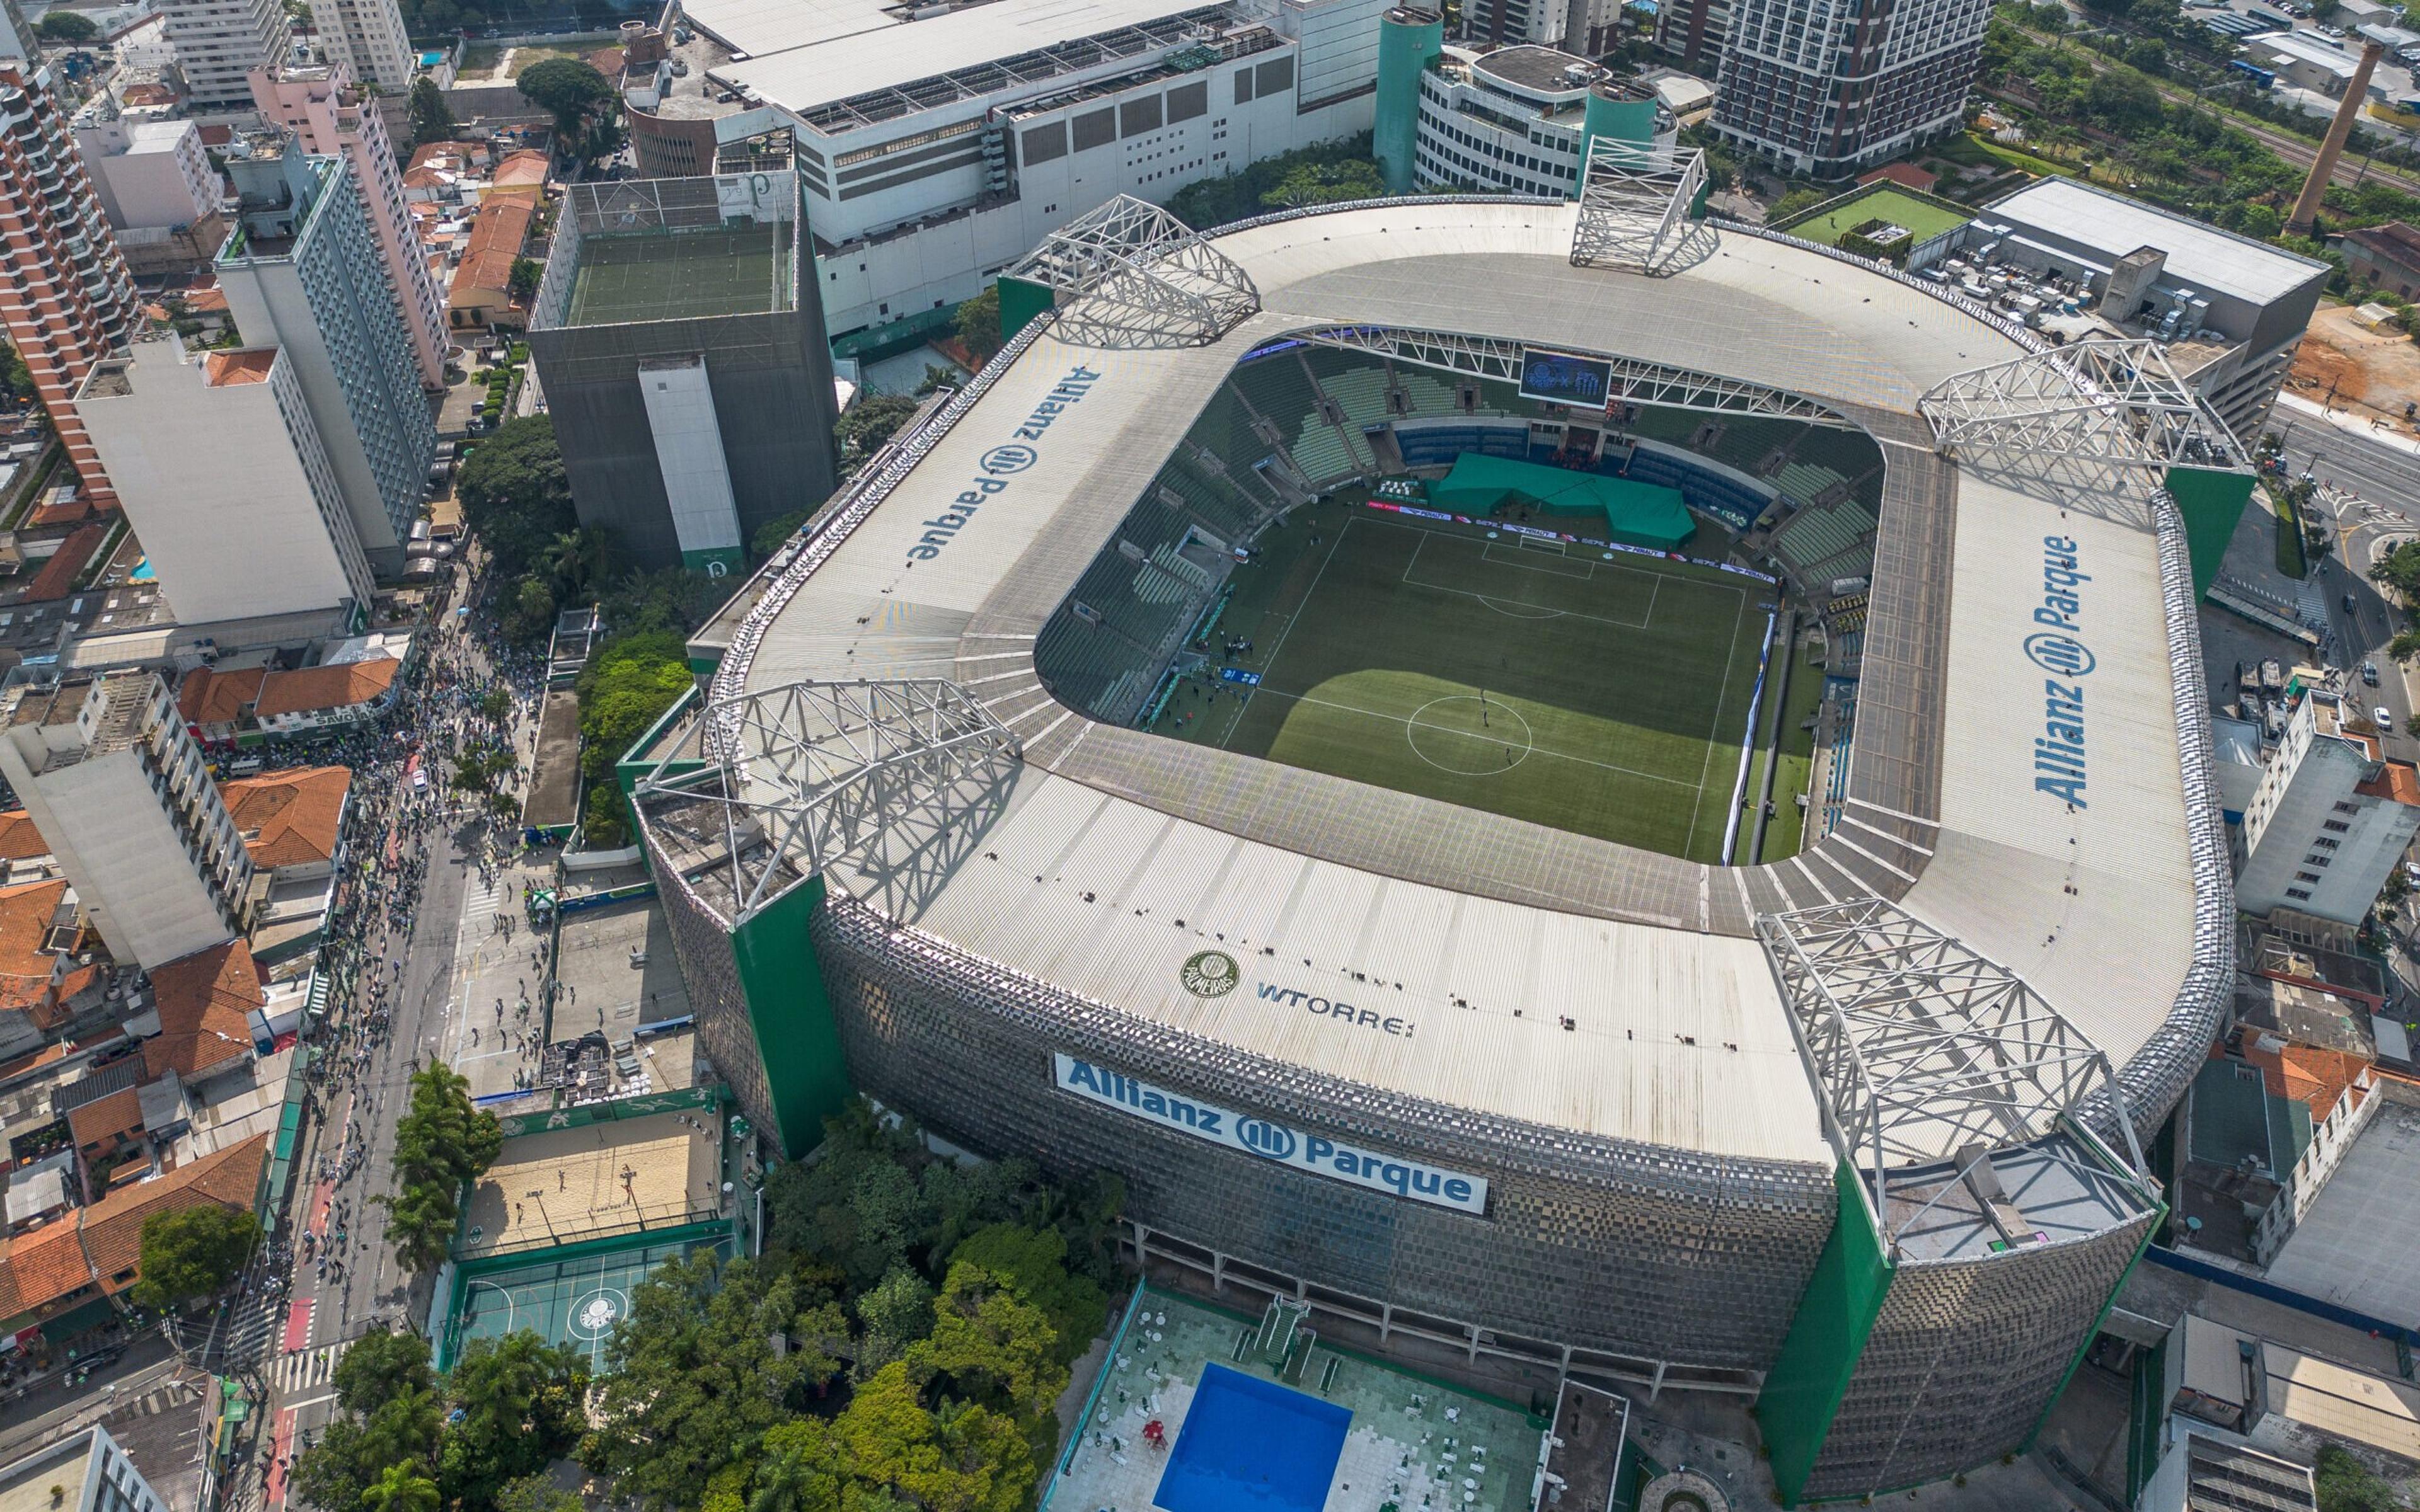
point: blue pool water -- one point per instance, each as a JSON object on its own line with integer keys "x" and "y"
{"x": 1248, "y": 1442}
{"x": 142, "y": 573}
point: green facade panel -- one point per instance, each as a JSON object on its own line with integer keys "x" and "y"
{"x": 792, "y": 1015}
{"x": 1021, "y": 301}
{"x": 1826, "y": 1337}
{"x": 2212, "y": 503}
{"x": 1408, "y": 41}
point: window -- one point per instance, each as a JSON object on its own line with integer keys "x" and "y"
{"x": 1243, "y": 85}
{"x": 1187, "y": 101}
{"x": 2300, "y": 894}
{"x": 2314, "y": 860}
{"x": 1136, "y": 117}
{"x": 1096, "y": 128}
{"x": 1041, "y": 143}
{"x": 2338, "y": 826}
{"x": 2347, "y": 808}
{"x": 2307, "y": 876}
{"x": 2326, "y": 844}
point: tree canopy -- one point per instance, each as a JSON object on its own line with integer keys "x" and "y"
{"x": 871, "y": 422}
{"x": 515, "y": 493}
{"x": 67, "y": 26}
{"x": 440, "y": 1143}
{"x": 580, "y": 99}
{"x": 978, "y": 324}
{"x": 624, "y": 692}
{"x": 1323, "y": 174}
{"x": 432, "y": 119}
{"x": 192, "y": 1252}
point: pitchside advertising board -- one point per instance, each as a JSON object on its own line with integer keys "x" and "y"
{"x": 1282, "y": 1143}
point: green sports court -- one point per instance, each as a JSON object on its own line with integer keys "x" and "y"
{"x": 661, "y": 275}
{"x": 572, "y": 1295}
{"x": 1602, "y": 692}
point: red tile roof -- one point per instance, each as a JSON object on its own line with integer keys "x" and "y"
{"x": 338, "y": 686}
{"x": 485, "y": 274}
{"x": 42, "y": 1266}
{"x": 19, "y": 839}
{"x": 113, "y": 1227}
{"x": 291, "y": 816}
{"x": 25, "y": 914}
{"x": 107, "y": 1118}
{"x": 58, "y": 575}
{"x": 1906, "y": 175}
{"x": 210, "y": 697}
{"x": 205, "y": 1003}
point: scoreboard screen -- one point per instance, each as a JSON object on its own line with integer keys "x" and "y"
{"x": 1558, "y": 378}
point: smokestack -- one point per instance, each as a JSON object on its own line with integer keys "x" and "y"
{"x": 2323, "y": 167}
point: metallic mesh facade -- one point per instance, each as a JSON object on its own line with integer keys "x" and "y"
{"x": 1651, "y": 1253}
{"x": 1964, "y": 1359}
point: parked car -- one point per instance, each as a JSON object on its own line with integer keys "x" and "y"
{"x": 2369, "y": 673}
{"x": 2384, "y": 717}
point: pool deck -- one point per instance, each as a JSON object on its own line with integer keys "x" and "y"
{"x": 1411, "y": 1441}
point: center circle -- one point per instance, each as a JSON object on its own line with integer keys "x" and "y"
{"x": 1458, "y": 733}
{"x": 595, "y": 1313}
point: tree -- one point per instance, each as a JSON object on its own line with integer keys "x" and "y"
{"x": 1794, "y": 203}
{"x": 995, "y": 1347}
{"x": 401, "y": 1488}
{"x": 2346, "y": 1485}
{"x": 536, "y": 1493}
{"x": 896, "y": 1313}
{"x": 622, "y": 693}
{"x": 523, "y": 281}
{"x": 978, "y": 324}
{"x": 67, "y": 26}
{"x": 442, "y": 1143}
{"x": 529, "y": 611}
{"x": 516, "y": 1407}
{"x": 872, "y": 420}
{"x": 694, "y": 1377}
{"x": 380, "y": 1366}
{"x": 2123, "y": 99}
{"x": 578, "y": 97}
{"x": 962, "y": 1457}
{"x": 774, "y": 534}
{"x": 515, "y": 493}
{"x": 1033, "y": 1262}
{"x": 432, "y": 119}
{"x": 1326, "y": 183}
{"x": 192, "y": 1253}
{"x": 16, "y": 375}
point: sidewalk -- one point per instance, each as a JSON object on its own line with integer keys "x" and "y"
{"x": 492, "y": 1017}
{"x": 2383, "y": 432}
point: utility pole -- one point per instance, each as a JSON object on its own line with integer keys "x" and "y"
{"x": 2323, "y": 167}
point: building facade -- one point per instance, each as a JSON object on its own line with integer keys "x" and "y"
{"x": 2330, "y": 818}
{"x": 334, "y": 116}
{"x": 119, "y": 790}
{"x": 687, "y": 421}
{"x": 66, "y": 299}
{"x": 303, "y": 272}
{"x": 1519, "y": 120}
{"x": 368, "y": 38}
{"x": 262, "y": 529}
{"x": 2384, "y": 257}
{"x": 1587, "y": 27}
{"x": 929, "y": 167}
{"x": 156, "y": 186}
{"x": 84, "y": 1472}
{"x": 219, "y": 43}
{"x": 1842, "y": 84}
{"x": 1693, "y": 31}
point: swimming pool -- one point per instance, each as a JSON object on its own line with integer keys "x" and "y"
{"x": 142, "y": 572}
{"x": 1248, "y": 1442}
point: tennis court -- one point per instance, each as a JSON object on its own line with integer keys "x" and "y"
{"x": 573, "y": 1300}
{"x": 1603, "y": 693}
{"x": 659, "y": 274}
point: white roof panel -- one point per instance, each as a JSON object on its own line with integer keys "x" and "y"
{"x": 756, "y": 27}
{"x": 2200, "y": 255}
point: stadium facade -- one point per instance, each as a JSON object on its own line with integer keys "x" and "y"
{"x": 1856, "y": 1136}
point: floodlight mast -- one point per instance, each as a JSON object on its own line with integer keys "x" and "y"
{"x": 1131, "y": 276}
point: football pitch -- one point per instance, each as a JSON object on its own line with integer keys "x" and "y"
{"x": 1606, "y": 695}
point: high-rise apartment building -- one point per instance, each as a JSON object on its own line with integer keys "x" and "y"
{"x": 84, "y": 1472}
{"x": 2330, "y": 818}
{"x": 263, "y": 529}
{"x": 303, "y": 272}
{"x": 156, "y": 186}
{"x": 1829, "y": 87}
{"x": 367, "y": 37}
{"x": 219, "y": 43}
{"x": 332, "y": 114}
{"x": 1693, "y": 31}
{"x": 66, "y": 296}
{"x": 119, "y": 790}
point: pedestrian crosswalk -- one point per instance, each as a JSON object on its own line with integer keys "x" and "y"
{"x": 304, "y": 1370}
{"x": 166, "y": 1396}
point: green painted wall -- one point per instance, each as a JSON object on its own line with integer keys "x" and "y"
{"x": 792, "y": 1015}
{"x": 1408, "y": 41}
{"x": 1622, "y": 120}
{"x": 1021, "y": 301}
{"x": 1827, "y": 1334}
{"x": 2211, "y": 503}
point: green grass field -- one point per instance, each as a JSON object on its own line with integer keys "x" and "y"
{"x": 673, "y": 275}
{"x": 1604, "y": 697}
{"x": 1922, "y": 220}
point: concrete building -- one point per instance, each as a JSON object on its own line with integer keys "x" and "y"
{"x": 1693, "y": 31}
{"x": 65, "y": 297}
{"x": 303, "y": 272}
{"x": 1827, "y": 90}
{"x": 1587, "y": 27}
{"x": 119, "y": 789}
{"x": 219, "y": 43}
{"x": 2330, "y": 818}
{"x": 2233, "y": 309}
{"x": 367, "y": 38}
{"x": 263, "y": 529}
{"x": 2201, "y": 1471}
{"x": 1519, "y": 120}
{"x": 937, "y": 152}
{"x": 2384, "y": 257}
{"x": 678, "y": 333}
{"x": 156, "y": 186}
{"x": 2305, "y": 60}
{"x": 334, "y": 116}
{"x": 84, "y": 1472}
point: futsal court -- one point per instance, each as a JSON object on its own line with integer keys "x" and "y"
{"x": 663, "y": 274}
{"x": 609, "y": 1176}
{"x": 573, "y": 1300}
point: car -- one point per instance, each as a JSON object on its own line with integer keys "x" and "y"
{"x": 2331, "y": 31}
{"x": 2348, "y": 603}
{"x": 2369, "y": 673}
{"x": 2384, "y": 716}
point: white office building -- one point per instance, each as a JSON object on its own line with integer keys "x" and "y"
{"x": 1514, "y": 120}
{"x": 262, "y": 529}
{"x": 937, "y": 152}
{"x": 81, "y": 1472}
{"x": 119, "y": 790}
{"x": 219, "y": 43}
{"x": 149, "y": 173}
{"x": 2330, "y": 818}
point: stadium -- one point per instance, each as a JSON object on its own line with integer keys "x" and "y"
{"x": 1277, "y": 733}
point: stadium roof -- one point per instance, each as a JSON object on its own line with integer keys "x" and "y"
{"x": 2201, "y": 256}
{"x": 1564, "y": 982}
{"x": 831, "y": 53}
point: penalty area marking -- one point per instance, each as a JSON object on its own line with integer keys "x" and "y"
{"x": 1485, "y": 733}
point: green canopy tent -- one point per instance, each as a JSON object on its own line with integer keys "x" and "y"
{"x": 1634, "y": 514}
